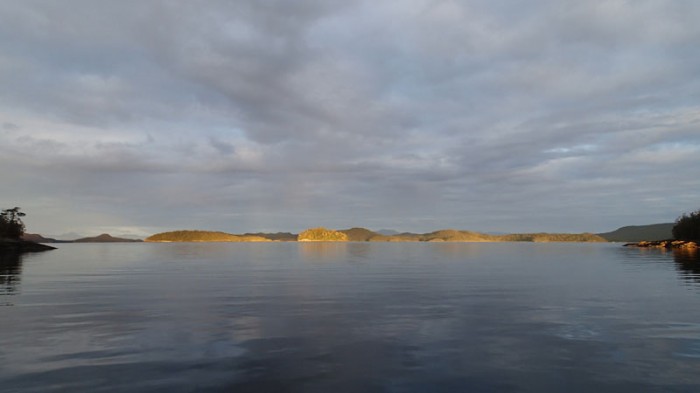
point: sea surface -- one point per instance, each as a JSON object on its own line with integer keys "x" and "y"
{"x": 350, "y": 317}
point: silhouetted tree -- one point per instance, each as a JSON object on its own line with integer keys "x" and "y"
{"x": 687, "y": 227}
{"x": 11, "y": 225}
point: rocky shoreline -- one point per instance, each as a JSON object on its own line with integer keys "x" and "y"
{"x": 667, "y": 244}
{"x": 20, "y": 246}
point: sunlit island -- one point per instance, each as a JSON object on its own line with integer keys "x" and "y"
{"x": 685, "y": 234}
{"x": 365, "y": 235}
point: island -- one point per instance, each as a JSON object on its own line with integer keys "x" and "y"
{"x": 105, "y": 238}
{"x": 201, "y": 236}
{"x": 685, "y": 231}
{"x": 356, "y": 234}
{"x": 22, "y": 246}
{"x": 11, "y": 231}
{"x": 322, "y": 235}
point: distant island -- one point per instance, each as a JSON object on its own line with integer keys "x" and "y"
{"x": 632, "y": 233}
{"x": 366, "y": 235}
{"x": 103, "y": 238}
{"x": 684, "y": 233}
{"x": 322, "y": 235}
{"x": 202, "y": 236}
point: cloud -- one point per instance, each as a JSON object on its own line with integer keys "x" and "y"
{"x": 277, "y": 115}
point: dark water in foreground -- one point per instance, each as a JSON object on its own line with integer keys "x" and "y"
{"x": 355, "y": 317}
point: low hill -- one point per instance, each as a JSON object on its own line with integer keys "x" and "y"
{"x": 359, "y": 234}
{"x": 277, "y": 236}
{"x": 392, "y": 238}
{"x": 322, "y": 235}
{"x": 202, "y": 236}
{"x": 453, "y": 235}
{"x": 551, "y": 237}
{"x": 398, "y": 237}
{"x": 37, "y": 238}
{"x": 638, "y": 233}
{"x": 105, "y": 238}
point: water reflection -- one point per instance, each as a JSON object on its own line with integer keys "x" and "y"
{"x": 359, "y": 250}
{"x": 351, "y": 317}
{"x": 687, "y": 262}
{"x": 459, "y": 251}
{"x": 10, "y": 271}
{"x": 323, "y": 251}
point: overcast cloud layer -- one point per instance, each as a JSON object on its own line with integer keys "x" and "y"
{"x": 134, "y": 117}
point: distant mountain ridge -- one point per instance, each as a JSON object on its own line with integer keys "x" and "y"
{"x": 632, "y": 233}
{"x": 638, "y": 233}
{"x": 103, "y": 238}
{"x": 365, "y": 235}
{"x": 37, "y": 238}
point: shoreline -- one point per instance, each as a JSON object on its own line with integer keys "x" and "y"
{"x": 666, "y": 244}
{"x": 22, "y": 246}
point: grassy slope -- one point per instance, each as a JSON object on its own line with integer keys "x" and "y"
{"x": 277, "y": 236}
{"x": 359, "y": 234}
{"x": 637, "y": 233}
{"x": 202, "y": 236}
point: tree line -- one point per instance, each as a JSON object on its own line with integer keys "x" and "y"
{"x": 687, "y": 227}
{"x": 11, "y": 225}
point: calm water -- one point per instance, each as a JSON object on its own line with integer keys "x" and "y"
{"x": 354, "y": 317}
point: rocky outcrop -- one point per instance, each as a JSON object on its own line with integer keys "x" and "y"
{"x": 668, "y": 244}
{"x": 322, "y": 235}
{"x": 20, "y": 246}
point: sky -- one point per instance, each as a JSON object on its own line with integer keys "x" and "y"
{"x": 137, "y": 117}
